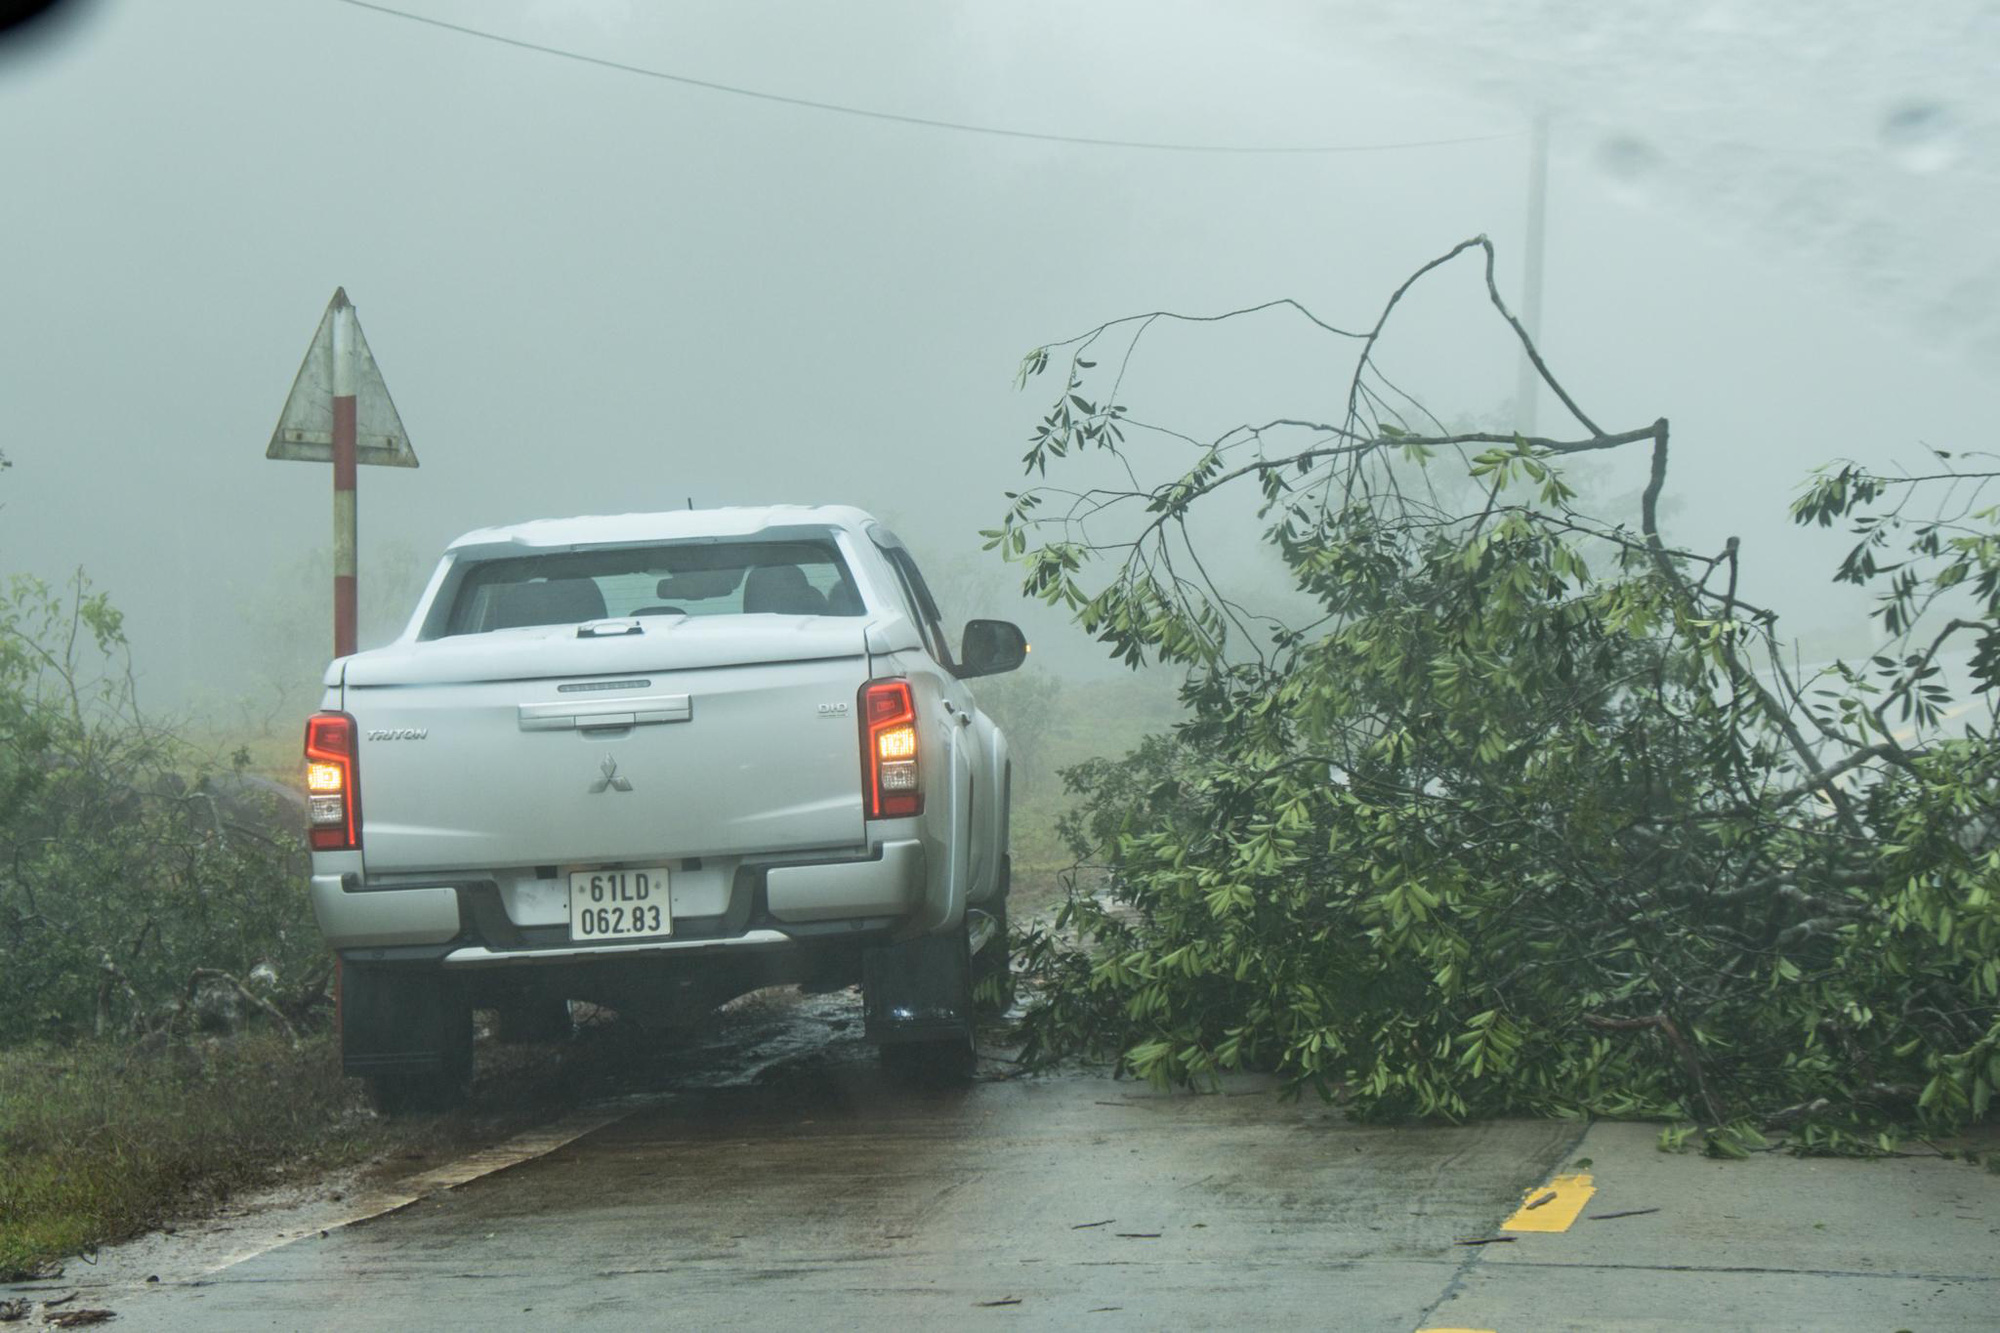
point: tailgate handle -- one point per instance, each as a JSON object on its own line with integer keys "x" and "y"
{"x": 568, "y": 716}
{"x": 607, "y": 629}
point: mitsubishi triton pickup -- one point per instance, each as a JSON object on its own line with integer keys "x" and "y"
{"x": 653, "y": 762}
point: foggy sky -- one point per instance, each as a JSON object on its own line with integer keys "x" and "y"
{"x": 592, "y": 292}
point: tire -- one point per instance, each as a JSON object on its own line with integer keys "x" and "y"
{"x": 993, "y": 969}
{"x": 948, "y": 1058}
{"x": 531, "y": 1018}
{"x": 409, "y": 1033}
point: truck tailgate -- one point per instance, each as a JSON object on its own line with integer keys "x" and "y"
{"x": 647, "y": 764}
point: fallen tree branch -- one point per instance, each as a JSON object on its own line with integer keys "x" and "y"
{"x": 1682, "y": 1047}
{"x": 201, "y": 974}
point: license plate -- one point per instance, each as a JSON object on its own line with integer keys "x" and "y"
{"x": 618, "y": 905}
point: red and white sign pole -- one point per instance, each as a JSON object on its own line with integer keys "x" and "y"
{"x": 344, "y": 536}
{"x": 339, "y": 412}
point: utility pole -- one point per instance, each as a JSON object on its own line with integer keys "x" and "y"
{"x": 1531, "y": 293}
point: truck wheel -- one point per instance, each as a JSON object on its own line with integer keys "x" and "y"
{"x": 917, "y": 999}
{"x": 531, "y": 1018}
{"x": 993, "y": 968}
{"x": 409, "y": 1033}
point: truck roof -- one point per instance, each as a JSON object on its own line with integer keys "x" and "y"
{"x": 666, "y": 525}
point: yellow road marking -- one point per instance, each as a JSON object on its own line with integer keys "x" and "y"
{"x": 1551, "y": 1207}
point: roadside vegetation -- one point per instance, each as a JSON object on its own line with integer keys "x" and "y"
{"x": 163, "y": 995}
{"x": 101, "y": 1140}
{"x": 1506, "y": 803}
{"x": 146, "y": 888}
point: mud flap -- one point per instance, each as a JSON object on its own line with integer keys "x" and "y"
{"x": 918, "y": 990}
{"x": 405, "y": 1021}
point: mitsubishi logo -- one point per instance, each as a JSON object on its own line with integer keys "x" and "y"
{"x": 610, "y": 779}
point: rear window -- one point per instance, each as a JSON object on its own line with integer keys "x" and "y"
{"x": 705, "y": 578}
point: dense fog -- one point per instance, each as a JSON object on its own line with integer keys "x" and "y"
{"x": 591, "y": 290}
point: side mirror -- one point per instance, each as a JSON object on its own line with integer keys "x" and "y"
{"x": 991, "y": 646}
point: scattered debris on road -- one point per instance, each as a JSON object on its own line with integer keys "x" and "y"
{"x": 1085, "y": 1226}
{"x": 1485, "y": 1240}
{"x": 1629, "y": 1212}
{"x": 1004, "y": 1300}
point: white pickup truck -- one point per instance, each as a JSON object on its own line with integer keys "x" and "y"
{"x": 654, "y": 761}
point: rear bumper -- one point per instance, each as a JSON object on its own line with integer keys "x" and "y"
{"x": 465, "y": 921}
{"x": 383, "y": 918}
{"x": 892, "y": 884}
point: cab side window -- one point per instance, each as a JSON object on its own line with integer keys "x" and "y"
{"x": 921, "y": 605}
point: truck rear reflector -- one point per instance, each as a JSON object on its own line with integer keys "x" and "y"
{"x": 889, "y": 750}
{"x": 333, "y": 787}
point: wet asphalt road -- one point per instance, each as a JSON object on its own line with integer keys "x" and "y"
{"x": 775, "y": 1179}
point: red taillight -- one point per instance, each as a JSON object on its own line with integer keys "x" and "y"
{"x": 889, "y": 750}
{"x": 333, "y": 786}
